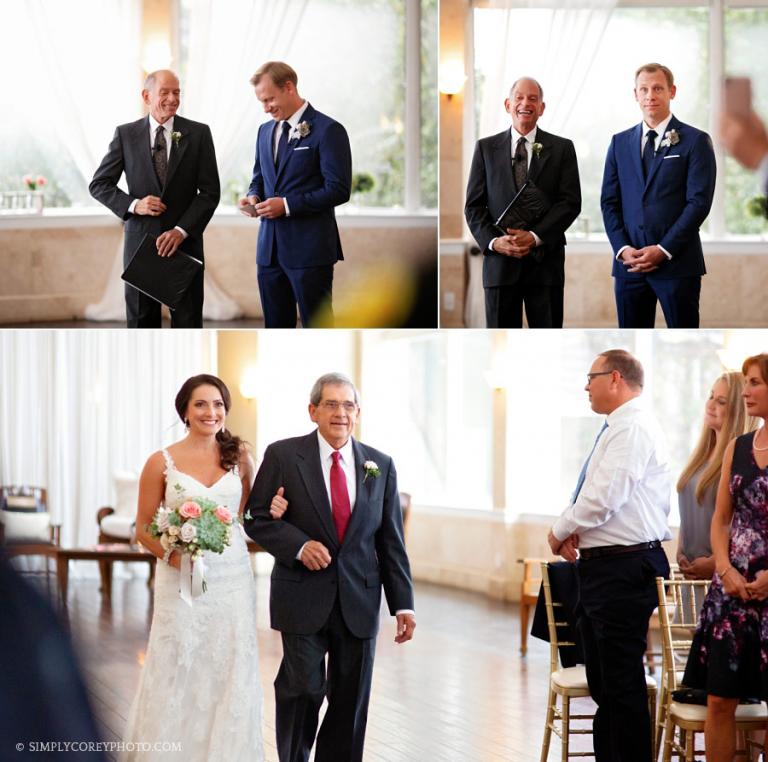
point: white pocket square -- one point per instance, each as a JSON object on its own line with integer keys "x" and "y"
{"x": 302, "y": 148}
{"x": 673, "y": 156}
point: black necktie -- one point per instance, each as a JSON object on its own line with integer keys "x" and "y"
{"x": 282, "y": 144}
{"x": 521, "y": 163}
{"x": 649, "y": 152}
{"x": 160, "y": 155}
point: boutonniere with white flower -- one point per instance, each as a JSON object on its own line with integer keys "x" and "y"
{"x": 371, "y": 469}
{"x": 536, "y": 148}
{"x": 671, "y": 138}
{"x": 303, "y": 129}
{"x": 176, "y": 137}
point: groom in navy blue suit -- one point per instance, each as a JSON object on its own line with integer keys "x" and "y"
{"x": 303, "y": 170}
{"x": 657, "y": 191}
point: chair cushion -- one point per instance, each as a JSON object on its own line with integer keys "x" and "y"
{"x": 119, "y": 526}
{"x": 697, "y": 713}
{"x": 23, "y": 527}
{"x": 126, "y": 494}
{"x": 571, "y": 677}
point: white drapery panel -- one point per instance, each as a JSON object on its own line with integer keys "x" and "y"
{"x": 83, "y": 58}
{"x": 227, "y": 42}
{"x": 76, "y": 406}
{"x": 553, "y": 41}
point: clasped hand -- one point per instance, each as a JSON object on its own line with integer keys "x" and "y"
{"x": 643, "y": 260}
{"x": 517, "y": 243}
{"x": 566, "y": 548}
{"x": 757, "y": 590}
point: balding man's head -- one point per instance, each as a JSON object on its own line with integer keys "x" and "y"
{"x": 162, "y": 94}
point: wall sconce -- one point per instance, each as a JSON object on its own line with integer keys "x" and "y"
{"x": 451, "y": 77}
{"x": 249, "y": 383}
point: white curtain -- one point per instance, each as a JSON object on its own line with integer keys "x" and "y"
{"x": 75, "y": 406}
{"x": 227, "y": 42}
{"x": 82, "y": 58}
{"x": 553, "y": 41}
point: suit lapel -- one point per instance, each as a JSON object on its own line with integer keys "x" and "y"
{"x": 307, "y": 116}
{"x": 362, "y": 492}
{"x": 308, "y": 463}
{"x": 538, "y": 162}
{"x": 143, "y": 148}
{"x": 635, "y": 144}
{"x": 177, "y": 149}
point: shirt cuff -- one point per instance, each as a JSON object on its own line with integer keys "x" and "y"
{"x": 561, "y": 530}
{"x": 182, "y": 231}
{"x": 618, "y": 256}
{"x": 536, "y": 239}
{"x": 301, "y": 550}
{"x": 490, "y": 245}
{"x": 133, "y": 206}
{"x": 666, "y": 253}
{"x": 287, "y": 210}
{"x": 405, "y": 611}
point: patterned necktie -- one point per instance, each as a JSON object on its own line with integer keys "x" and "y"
{"x": 649, "y": 152}
{"x": 521, "y": 163}
{"x": 282, "y": 144}
{"x": 583, "y": 472}
{"x": 339, "y": 496}
{"x": 160, "y": 155}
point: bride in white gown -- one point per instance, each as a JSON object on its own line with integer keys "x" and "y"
{"x": 199, "y": 693}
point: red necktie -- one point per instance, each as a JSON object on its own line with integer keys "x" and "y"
{"x": 339, "y": 497}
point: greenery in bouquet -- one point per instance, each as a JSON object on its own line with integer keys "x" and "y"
{"x": 194, "y": 526}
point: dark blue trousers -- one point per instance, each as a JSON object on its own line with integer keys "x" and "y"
{"x": 636, "y": 301}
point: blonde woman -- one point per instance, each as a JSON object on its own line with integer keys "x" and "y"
{"x": 725, "y": 418}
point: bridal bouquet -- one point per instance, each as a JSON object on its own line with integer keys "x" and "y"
{"x": 196, "y": 525}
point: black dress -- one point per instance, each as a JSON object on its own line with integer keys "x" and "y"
{"x": 729, "y": 655}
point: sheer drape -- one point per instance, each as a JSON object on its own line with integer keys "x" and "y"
{"x": 75, "y": 406}
{"x": 227, "y": 42}
{"x": 554, "y": 42}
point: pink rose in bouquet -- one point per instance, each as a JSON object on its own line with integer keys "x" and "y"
{"x": 190, "y": 510}
{"x": 223, "y": 514}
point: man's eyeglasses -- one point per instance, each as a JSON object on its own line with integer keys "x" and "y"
{"x": 333, "y": 406}
{"x": 590, "y": 376}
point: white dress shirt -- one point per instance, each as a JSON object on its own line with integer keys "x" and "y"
{"x": 168, "y": 130}
{"x": 530, "y": 139}
{"x": 625, "y": 496}
{"x": 293, "y": 120}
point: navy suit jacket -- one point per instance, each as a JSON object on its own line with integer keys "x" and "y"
{"x": 372, "y": 555}
{"x": 314, "y": 176}
{"x": 668, "y": 208}
{"x": 191, "y": 192}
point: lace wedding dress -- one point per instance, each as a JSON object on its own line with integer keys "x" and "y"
{"x": 199, "y": 690}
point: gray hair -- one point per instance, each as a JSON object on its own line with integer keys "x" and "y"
{"x": 149, "y": 82}
{"x": 535, "y": 82}
{"x": 332, "y": 379}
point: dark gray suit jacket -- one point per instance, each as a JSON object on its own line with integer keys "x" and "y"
{"x": 191, "y": 192}
{"x": 491, "y": 187}
{"x": 372, "y": 555}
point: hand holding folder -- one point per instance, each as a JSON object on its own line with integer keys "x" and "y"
{"x": 164, "y": 279}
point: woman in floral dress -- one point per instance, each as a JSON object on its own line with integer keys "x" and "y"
{"x": 729, "y": 655}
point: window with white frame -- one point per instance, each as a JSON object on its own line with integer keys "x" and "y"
{"x": 551, "y": 428}
{"x": 427, "y": 403}
{"x": 585, "y": 56}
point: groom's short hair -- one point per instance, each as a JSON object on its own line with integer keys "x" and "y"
{"x": 277, "y": 71}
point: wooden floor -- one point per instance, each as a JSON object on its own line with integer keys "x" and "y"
{"x": 241, "y": 323}
{"x": 459, "y": 691}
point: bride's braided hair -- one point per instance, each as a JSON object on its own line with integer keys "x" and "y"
{"x": 230, "y": 446}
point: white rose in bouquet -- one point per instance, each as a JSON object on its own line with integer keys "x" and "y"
{"x": 162, "y": 519}
{"x": 188, "y": 532}
{"x": 173, "y": 531}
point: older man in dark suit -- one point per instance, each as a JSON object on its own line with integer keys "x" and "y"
{"x": 337, "y": 545}
{"x": 173, "y": 190}
{"x": 523, "y": 267}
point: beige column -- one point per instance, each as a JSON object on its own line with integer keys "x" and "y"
{"x": 237, "y": 354}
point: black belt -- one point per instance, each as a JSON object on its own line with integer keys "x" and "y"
{"x": 588, "y": 554}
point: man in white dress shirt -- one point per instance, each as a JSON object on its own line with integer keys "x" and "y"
{"x": 617, "y": 519}
{"x": 340, "y": 541}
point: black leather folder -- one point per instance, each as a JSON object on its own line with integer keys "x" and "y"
{"x": 164, "y": 279}
{"x": 527, "y": 207}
